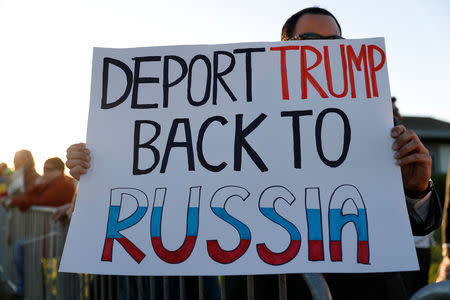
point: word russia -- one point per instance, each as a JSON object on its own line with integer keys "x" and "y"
{"x": 266, "y": 205}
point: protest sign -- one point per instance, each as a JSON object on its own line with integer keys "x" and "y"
{"x": 250, "y": 158}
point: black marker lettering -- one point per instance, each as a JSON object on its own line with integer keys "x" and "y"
{"x": 106, "y": 62}
{"x": 296, "y": 133}
{"x": 138, "y": 80}
{"x": 240, "y": 142}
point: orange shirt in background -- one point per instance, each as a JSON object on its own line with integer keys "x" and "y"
{"x": 58, "y": 192}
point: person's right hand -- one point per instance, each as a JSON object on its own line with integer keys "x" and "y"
{"x": 61, "y": 212}
{"x": 5, "y": 201}
{"x": 78, "y": 160}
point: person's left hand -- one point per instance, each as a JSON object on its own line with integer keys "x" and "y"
{"x": 444, "y": 269}
{"x": 412, "y": 157}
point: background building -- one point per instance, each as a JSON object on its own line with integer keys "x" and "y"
{"x": 435, "y": 134}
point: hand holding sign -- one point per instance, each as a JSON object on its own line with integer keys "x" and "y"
{"x": 78, "y": 160}
{"x": 413, "y": 158}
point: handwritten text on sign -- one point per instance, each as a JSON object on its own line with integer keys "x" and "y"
{"x": 241, "y": 159}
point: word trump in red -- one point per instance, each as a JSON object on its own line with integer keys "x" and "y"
{"x": 349, "y": 60}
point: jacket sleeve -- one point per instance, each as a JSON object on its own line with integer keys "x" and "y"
{"x": 422, "y": 226}
{"x": 54, "y": 194}
{"x": 22, "y": 201}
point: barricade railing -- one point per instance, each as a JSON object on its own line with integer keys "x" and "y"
{"x": 6, "y": 257}
{"x": 42, "y": 240}
{"x": 11, "y": 230}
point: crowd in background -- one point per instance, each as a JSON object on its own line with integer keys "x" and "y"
{"x": 23, "y": 187}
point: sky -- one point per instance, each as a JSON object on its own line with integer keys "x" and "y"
{"x": 46, "y": 53}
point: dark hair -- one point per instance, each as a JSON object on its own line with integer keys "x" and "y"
{"x": 289, "y": 27}
{"x": 56, "y": 162}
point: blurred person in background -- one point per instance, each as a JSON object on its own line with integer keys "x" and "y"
{"x": 23, "y": 160}
{"x": 3, "y": 167}
{"x": 23, "y": 177}
{"x": 53, "y": 188}
{"x": 5, "y": 174}
{"x": 444, "y": 267}
{"x": 24, "y": 173}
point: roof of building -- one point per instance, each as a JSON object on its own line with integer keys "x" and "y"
{"x": 428, "y": 128}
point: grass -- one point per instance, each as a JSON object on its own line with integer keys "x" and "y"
{"x": 436, "y": 250}
{"x": 436, "y": 256}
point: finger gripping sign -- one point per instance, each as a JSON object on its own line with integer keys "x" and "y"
{"x": 251, "y": 158}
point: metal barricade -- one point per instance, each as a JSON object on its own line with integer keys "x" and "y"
{"x": 4, "y": 249}
{"x": 9, "y": 231}
{"x": 42, "y": 245}
{"x": 42, "y": 240}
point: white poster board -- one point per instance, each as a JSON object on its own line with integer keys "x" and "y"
{"x": 250, "y": 158}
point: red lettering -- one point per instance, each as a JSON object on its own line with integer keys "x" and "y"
{"x": 374, "y": 69}
{"x": 284, "y": 79}
{"x": 304, "y": 72}
{"x": 353, "y": 60}
{"x": 277, "y": 259}
{"x": 326, "y": 57}
{"x": 226, "y": 256}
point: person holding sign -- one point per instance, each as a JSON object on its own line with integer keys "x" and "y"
{"x": 423, "y": 207}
